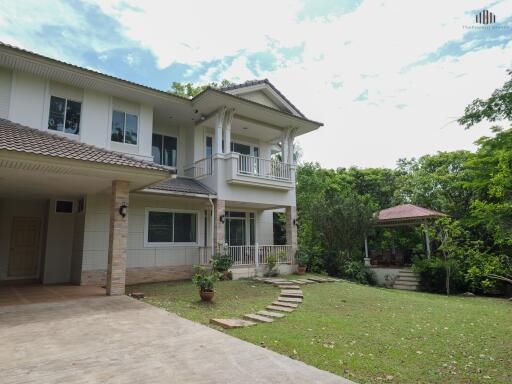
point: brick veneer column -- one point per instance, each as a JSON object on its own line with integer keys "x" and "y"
{"x": 118, "y": 237}
{"x": 291, "y": 229}
{"x": 219, "y": 235}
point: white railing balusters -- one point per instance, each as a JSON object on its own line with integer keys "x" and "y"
{"x": 268, "y": 169}
{"x": 200, "y": 168}
{"x": 258, "y": 254}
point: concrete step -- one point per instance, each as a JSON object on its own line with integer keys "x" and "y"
{"x": 405, "y": 287}
{"x": 306, "y": 281}
{"x": 257, "y": 318}
{"x": 279, "y": 308}
{"x": 271, "y": 314}
{"x": 290, "y": 299}
{"x": 288, "y": 293}
{"x": 298, "y": 282}
{"x": 284, "y": 304}
{"x": 407, "y": 278}
{"x": 406, "y": 273}
{"x": 288, "y": 286}
{"x": 318, "y": 279}
{"x": 401, "y": 282}
{"x": 232, "y": 323}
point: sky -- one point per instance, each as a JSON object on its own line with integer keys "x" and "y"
{"x": 387, "y": 78}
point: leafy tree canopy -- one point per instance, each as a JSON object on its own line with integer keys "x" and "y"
{"x": 190, "y": 90}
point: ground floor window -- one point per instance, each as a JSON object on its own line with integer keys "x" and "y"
{"x": 170, "y": 227}
{"x": 240, "y": 228}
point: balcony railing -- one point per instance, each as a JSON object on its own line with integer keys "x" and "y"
{"x": 200, "y": 168}
{"x": 268, "y": 169}
{"x": 258, "y": 254}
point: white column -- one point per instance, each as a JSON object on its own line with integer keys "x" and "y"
{"x": 427, "y": 240}
{"x": 367, "y": 260}
{"x": 228, "y": 118}
{"x": 291, "y": 136}
{"x": 219, "y": 121}
{"x": 284, "y": 146}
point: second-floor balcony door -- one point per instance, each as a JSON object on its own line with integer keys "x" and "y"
{"x": 249, "y": 162}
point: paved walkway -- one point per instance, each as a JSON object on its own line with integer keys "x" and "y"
{"x": 121, "y": 340}
{"x": 15, "y": 294}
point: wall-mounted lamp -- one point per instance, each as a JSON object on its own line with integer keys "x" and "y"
{"x": 294, "y": 221}
{"x": 222, "y": 218}
{"x": 123, "y": 209}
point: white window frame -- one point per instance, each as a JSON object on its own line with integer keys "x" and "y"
{"x": 124, "y": 128}
{"x": 148, "y": 244}
{"x": 65, "y": 113}
{"x": 247, "y": 220}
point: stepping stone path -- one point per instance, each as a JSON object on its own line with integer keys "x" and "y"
{"x": 288, "y": 301}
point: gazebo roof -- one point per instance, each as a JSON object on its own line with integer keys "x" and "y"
{"x": 406, "y": 214}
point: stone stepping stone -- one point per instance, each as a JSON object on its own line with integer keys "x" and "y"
{"x": 318, "y": 279}
{"x": 258, "y": 318}
{"x": 284, "y": 304}
{"x": 290, "y": 299}
{"x": 287, "y": 293}
{"x": 279, "y": 308}
{"x": 271, "y": 314}
{"x": 288, "y": 286}
{"x": 306, "y": 281}
{"x": 232, "y": 323}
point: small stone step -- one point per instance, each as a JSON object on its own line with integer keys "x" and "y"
{"x": 306, "y": 281}
{"x": 299, "y": 282}
{"x": 271, "y": 314}
{"x": 318, "y": 279}
{"x": 288, "y": 293}
{"x": 407, "y": 278}
{"x": 279, "y": 308}
{"x": 290, "y": 299}
{"x": 286, "y": 282}
{"x": 258, "y": 318}
{"x": 274, "y": 281}
{"x": 402, "y": 282}
{"x": 285, "y": 304}
{"x": 288, "y": 286}
{"x": 232, "y": 323}
{"x": 405, "y": 287}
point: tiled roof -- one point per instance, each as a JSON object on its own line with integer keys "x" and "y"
{"x": 20, "y": 138}
{"x": 250, "y": 83}
{"x": 407, "y": 211}
{"x": 183, "y": 185}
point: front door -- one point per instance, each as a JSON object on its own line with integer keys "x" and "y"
{"x": 24, "y": 248}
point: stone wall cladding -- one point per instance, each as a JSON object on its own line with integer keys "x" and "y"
{"x": 141, "y": 275}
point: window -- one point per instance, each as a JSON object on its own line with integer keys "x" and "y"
{"x": 209, "y": 146}
{"x": 64, "y": 115}
{"x": 124, "y": 127}
{"x": 171, "y": 227}
{"x": 236, "y": 225}
{"x": 164, "y": 150}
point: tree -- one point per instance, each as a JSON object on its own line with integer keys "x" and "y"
{"x": 190, "y": 90}
{"x": 496, "y": 107}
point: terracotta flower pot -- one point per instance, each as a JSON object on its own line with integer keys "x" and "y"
{"x": 301, "y": 270}
{"x": 206, "y": 295}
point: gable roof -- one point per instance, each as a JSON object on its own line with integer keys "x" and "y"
{"x": 20, "y": 138}
{"x": 407, "y": 212}
{"x": 264, "y": 82}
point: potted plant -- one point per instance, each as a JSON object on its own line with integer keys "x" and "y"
{"x": 302, "y": 262}
{"x": 222, "y": 264}
{"x": 204, "y": 279}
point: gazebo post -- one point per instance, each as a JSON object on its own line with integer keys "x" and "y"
{"x": 427, "y": 240}
{"x": 367, "y": 258}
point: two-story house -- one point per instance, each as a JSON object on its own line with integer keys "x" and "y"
{"x": 104, "y": 181}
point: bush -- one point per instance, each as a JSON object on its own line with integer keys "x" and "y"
{"x": 221, "y": 263}
{"x": 272, "y": 261}
{"x": 358, "y": 272}
{"x": 432, "y": 273}
{"x": 204, "y": 278}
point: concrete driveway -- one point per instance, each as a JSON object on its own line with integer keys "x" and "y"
{"x": 121, "y": 340}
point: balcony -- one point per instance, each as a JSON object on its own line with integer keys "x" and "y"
{"x": 244, "y": 169}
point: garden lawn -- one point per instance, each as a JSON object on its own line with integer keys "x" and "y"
{"x": 366, "y": 334}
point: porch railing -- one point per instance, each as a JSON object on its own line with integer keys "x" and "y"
{"x": 268, "y": 169}
{"x": 200, "y": 168}
{"x": 258, "y": 254}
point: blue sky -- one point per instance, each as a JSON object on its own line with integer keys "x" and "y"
{"x": 388, "y": 78}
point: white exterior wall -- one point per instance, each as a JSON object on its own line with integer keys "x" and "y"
{"x": 25, "y": 99}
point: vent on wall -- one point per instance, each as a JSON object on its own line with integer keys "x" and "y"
{"x": 64, "y": 206}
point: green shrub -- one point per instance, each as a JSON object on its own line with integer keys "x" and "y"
{"x": 432, "y": 273}
{"x": 358, "y": 272}
{"x": 221, "y": 263}
{"x": 272, "y": 261}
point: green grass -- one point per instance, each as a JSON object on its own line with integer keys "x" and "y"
{"x": 366, "y": 334}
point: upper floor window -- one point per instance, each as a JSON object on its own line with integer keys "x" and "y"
{"x": 164, "y": 150}
{"x": 124, "y": 127}
{"x": 64, "y": 115}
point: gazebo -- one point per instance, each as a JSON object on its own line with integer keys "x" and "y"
{"x": 404, "y": 215}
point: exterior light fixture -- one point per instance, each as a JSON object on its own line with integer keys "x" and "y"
{"x": 123, "y": 209}
{"x": 294, "y": 221}
{"x": 222, "y": 219}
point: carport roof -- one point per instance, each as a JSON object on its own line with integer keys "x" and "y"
{"x": 20, "y": 138}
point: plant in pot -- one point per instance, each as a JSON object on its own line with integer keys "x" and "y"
{"x": 222, "y": 264}
{"x": 205, "y": 278}
{"x": 302, "y": 262}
